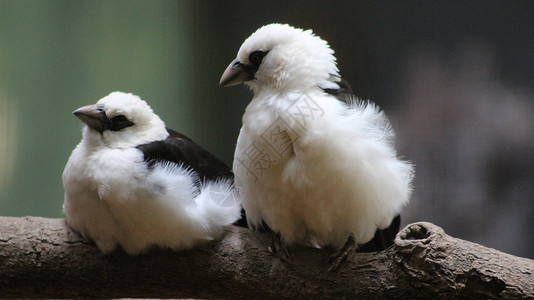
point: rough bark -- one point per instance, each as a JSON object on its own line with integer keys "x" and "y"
{"x": 42, "y": 258}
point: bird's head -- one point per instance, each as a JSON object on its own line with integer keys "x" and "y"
{"x": 282, "y": 58}
{"x": 121, "y": 120}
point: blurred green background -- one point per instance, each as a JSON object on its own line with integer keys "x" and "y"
{"x": 456, "y": 77}
{"x": 56, "y": 56}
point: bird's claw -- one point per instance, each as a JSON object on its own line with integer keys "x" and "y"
{"x": 339, "y": 258}
{"x": 278, "y": 249}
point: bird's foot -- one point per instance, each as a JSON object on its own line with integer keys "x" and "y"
{"x": 277, "y": 248}
{"x": 339, "y": 258}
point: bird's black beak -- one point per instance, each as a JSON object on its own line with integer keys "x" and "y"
{"x": 236, "y": 73}
{"x": 93, "y": 116}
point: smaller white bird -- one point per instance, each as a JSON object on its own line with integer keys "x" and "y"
{"x": 135, "y": 184}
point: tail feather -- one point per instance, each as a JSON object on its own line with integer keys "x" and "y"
{"x": 219, "y": 205}
{"x": 177, "y": 211}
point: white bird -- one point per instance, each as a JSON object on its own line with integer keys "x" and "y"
{"x": 313, "y": 162}
{"x": 135, "y": 184}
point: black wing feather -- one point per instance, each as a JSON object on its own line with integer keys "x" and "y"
{"x": 344, "y": 93}
{"x": 180, "y": 149}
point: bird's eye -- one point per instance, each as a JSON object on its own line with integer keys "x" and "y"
{"x": 120, "y": 118}
{"x": 119, "y": 122}
{"x": 256, "y": 57}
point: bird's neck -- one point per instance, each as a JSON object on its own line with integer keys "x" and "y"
{"x": 287, "y": 92}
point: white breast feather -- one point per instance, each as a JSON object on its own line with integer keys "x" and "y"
{"x": 339, "y": 176}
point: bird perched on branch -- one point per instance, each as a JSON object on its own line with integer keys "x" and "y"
{"x": 313, "y": 163}
{"x": 133, "y": 183}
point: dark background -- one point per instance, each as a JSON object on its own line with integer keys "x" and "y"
{"x": 455, "y": 77}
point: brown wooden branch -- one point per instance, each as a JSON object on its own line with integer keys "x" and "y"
{"x": 42, "y": 258}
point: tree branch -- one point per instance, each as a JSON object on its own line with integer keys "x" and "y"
{"x": 42, "y": 258}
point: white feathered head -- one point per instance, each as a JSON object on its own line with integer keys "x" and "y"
{"x": 282, "y": 58}
{"x": 121, "y": 120}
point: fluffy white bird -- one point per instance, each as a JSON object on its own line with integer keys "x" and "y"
{"x": 132, "y": 182}
{"x": 312, "y": 162}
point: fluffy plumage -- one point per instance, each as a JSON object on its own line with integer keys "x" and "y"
{"x": 131, "y": 182}
{"x": 315, "y": 169}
